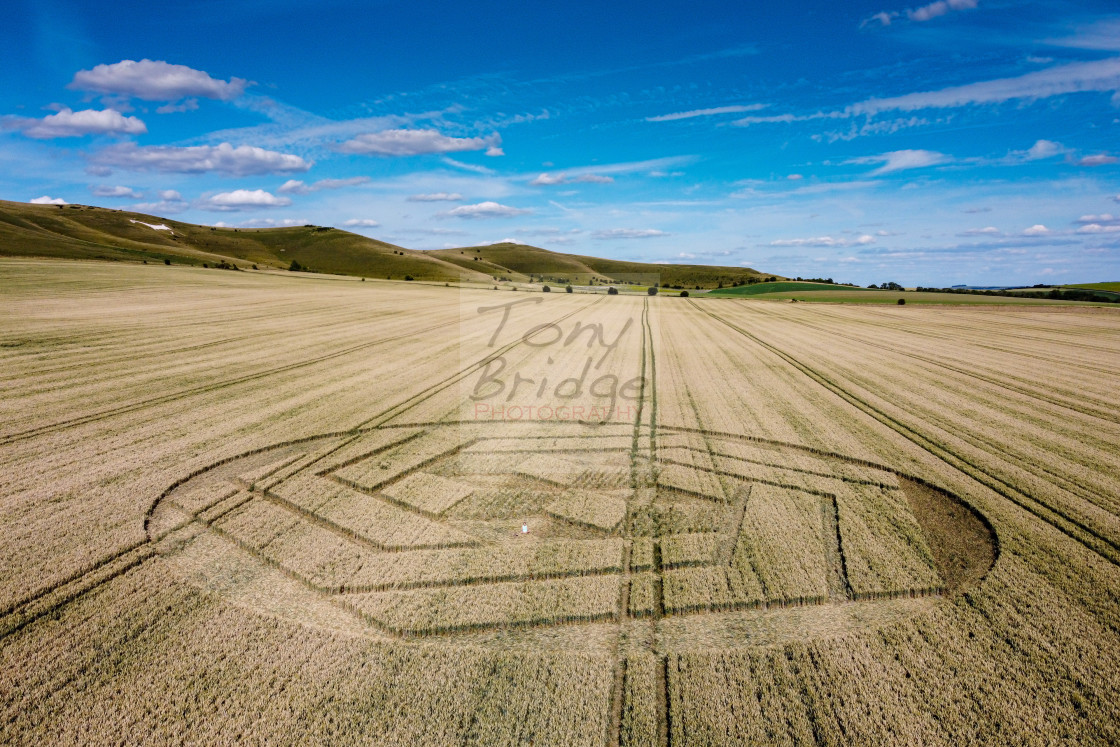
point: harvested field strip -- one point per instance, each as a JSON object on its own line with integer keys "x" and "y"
{"x": 781, "y": 532}
{"x": 505, "y": 605}
{"x": 1077, "y": 400}
{"x": 18, "y": 615}
{"x": 416, "y": 569}
{"x": 1084, "y": 450}
{"x": 369, "y": 521}
{"x": 844, "y": 471}
{"x": 1074, "y": 475}
{"x": 206, "y": 388}
{"x": 882, "y": 544}
{"x": 1066, "y": 524}
{"x": 425, "y": 394}
{"x": 683, "y": 550}
{"x": 773, "y": 477}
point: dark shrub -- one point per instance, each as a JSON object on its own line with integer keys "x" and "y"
{"x": 612, "y": 291}
{"x": 295, "y": 266}
{"x": 569, "y": 289}
{"x": 652, "y": 290}
{"x": 546, "y": 289}
{"x": 684, "y": 294}
{"x": 902, "y": 302}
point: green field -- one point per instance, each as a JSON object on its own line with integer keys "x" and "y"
{"x": 789, "y": 286}
{"x": 1114, "y": 287}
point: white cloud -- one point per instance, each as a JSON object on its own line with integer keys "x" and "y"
{"x": 548, "y": 180}
{"x": 1036, "y": 230}
{"x": 494, "y": 150}
{"x": 243, "y": 199}
{"x": 67, "y": 123}
{"x": 297, "y": 187}
{"x": 361, "y": 223}
{"x": 986, "y": 231}
{"x": 1044, "y": 149}
{"x": 628, "y": 233}
{"x": 826, "y": 241}
{"x": 45, "y": 200}
{"x": 938, "y": 8}
{"x": 436, "y": 197}
{"x": 187, "y": 105}
{"x": 923, "y": 13}
{"x": 267, "y": 223}
{"x": 415, "y": 142}
{"x": 486, "y": 209}
{"x": 106, "y": 190}
{"x": 900, "y": 160}
{"x": 244, "y": 160}
{"x": 1099, "y": 228}
{"x": 155, "y": 80}
{"x": 707, "y": 112}
{"x": 1101, "y": 159}
{"x": 1102, "y": 218}
{"x": 170, "y": 194}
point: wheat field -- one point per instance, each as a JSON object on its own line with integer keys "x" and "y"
{"x": 252, "y": 507}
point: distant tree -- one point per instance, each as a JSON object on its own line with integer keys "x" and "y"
{"x": 569, "y": 289}
{"x": 295, "y": 266}
{"x": 409, "y": 278}
{"x": 771, "y": 279}
{"x": 546, "y": 289}
{"x": 612, "y": 291}
{"x": 902, "y": 302}
{"x": 684, "y": 294}
{"x": 167, "y": 261}
{"x": 652, "y": 290}
{"x": 255, "y": 267}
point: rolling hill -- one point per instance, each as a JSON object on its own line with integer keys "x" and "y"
{"x": 87, "y": 232}
{"x": 84, "y": 232}
{"x": 520, "y": 262}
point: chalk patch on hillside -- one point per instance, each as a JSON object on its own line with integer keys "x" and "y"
{"x": 160, "y": 227}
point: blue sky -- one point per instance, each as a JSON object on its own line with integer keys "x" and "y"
{"x": 956, "y": 141}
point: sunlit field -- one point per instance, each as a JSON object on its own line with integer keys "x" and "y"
{"x": 250, "y": 507}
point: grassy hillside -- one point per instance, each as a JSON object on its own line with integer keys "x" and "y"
{"x": 519, "y": 262}
{"x": 84, "y": 232}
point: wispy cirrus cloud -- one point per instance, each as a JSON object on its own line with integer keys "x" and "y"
{"x": 628, "y": 233}
{"x": 155, "y": 80}
{"x": 298, "y": 187}
{"x": 716, "y": 110}
{"x": 170, "y": 201}
{"x": 417, "y": 142}
{"x": 901, "y": 160}
{"x": 361, "y": 223}
{"x": 244, "y": 160}
{"x": 68, "y": 123}
{"x": 826, "y": 241}
{"x": 1074, "y": 77}
{"x": 548, "y": 180}
{"x": 1098, "y": 76}
{"x": 436, "y": 197}
{"x": 107, "y": 190}
{"x": 920, "y": 14}
{"x": 1099, "y": 159}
